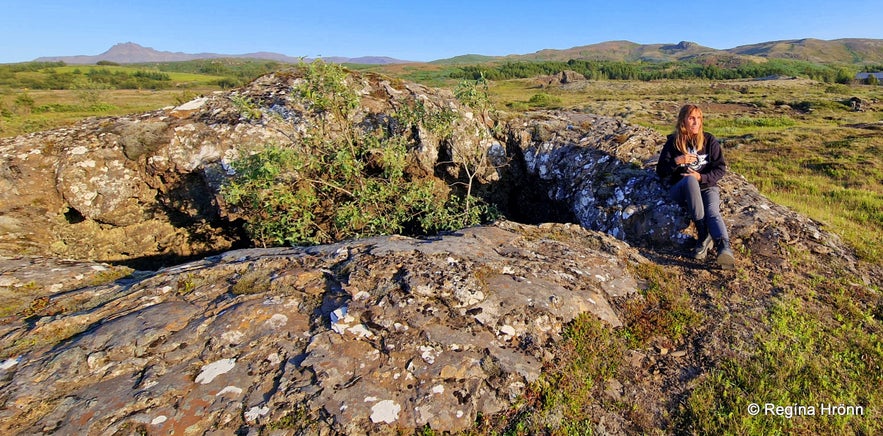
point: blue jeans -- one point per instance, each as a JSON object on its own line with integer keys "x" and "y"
{"x": 701, "y": 204}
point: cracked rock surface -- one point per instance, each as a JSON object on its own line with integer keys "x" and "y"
{"x": 369, "y": 336}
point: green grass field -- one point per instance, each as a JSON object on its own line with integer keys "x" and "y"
{"x": 57, "y": 108}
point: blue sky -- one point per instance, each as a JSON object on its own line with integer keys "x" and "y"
{"x": 414, "y": 30}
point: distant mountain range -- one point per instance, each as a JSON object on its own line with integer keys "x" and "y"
{"x": 131, "y": 53}
{"x": 843, "y": 51}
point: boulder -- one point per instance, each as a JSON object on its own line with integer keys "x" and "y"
{"x": 562, "y": 78}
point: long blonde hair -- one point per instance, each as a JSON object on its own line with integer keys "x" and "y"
{"x": 683, "y": 138}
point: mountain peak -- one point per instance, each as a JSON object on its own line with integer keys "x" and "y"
{"x": 128, "y": 48}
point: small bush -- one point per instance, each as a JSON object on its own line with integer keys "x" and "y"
{"x": 474, "y": 93}
{"x": 227, "y": 83}
{"x": 544, "y": 100}
{"x": 803, "y": 106}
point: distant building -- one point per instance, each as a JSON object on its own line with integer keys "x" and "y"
{"x": 864, "y": 76}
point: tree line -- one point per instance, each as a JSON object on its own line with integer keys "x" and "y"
{"x": 48, "y": 77}
{"x": 616, "y": 70}
{"x": 236, "y": 72}
{"x": 52, "y": 75}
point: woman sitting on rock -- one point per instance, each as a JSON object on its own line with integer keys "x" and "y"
{"x": 690, "y": 165}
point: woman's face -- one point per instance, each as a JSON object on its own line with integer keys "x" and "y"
{"x": 694, "y": 122}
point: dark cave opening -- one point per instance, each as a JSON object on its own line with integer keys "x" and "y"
{"x": 73, "y": 216}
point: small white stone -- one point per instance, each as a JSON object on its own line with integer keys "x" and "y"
{"x": 338, "y": 314}
{"x": 277, "y": 321}
{"x": 274, "y": 359}
{"x": 256, "y": 412}
{"x": 386, "y": 411}
{"x": 232, "y": 336}
{"x": 233, "y": 390}
{"x": 9, "y": 363}
{"x": 214, "y": 369}
{"x": 360, "y": 331}
{"x": 428, "y": 354}
{"x": 438, "y": 389}
{"x": 159, "y": 420}
{"x": 507, "y": 330}
{"x": 192, "y": 104}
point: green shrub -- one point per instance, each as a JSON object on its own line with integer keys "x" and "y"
{"x": 329, "y": 186}
{"x": 474, "y": 93}
{"x": 246, "y": 107}
{"x": 227, "y": 83}
{"x": 333, "y": 193}
{"x": 544, "y": 100}
{"x": 24, "y": 103}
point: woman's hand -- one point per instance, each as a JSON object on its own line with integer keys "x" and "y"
{"x": 686, "y": 159}
{"x": 692, "y": 173}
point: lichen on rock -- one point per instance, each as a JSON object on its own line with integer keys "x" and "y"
{"x": 179, "y": 350}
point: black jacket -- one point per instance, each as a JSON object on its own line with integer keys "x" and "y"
{"x": 711, "y": 165}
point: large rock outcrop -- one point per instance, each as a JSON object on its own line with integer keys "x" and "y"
{"x": 147, "y": 186}
{"x": 369, "y": 336}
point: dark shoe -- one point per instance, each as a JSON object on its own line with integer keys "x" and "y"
{"x": 701, "y": 248}
{"x": 725, "y": 257}
{"x": 703, "y": 240}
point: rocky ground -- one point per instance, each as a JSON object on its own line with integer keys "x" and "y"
{"x": 381, "y": 335}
